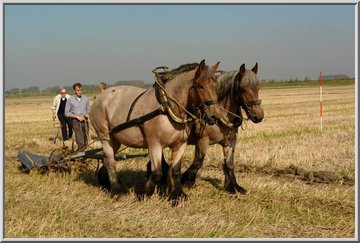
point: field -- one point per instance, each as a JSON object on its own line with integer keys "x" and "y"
{"x": 300, "y": 180}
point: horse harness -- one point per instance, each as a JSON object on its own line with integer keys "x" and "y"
{"x": 165, "y": 105}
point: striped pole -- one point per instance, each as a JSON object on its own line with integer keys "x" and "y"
{"x": 321, "y": 105}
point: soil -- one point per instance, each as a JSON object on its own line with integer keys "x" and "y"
{"x": 296, "y": 172}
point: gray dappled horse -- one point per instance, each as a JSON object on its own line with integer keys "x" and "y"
{"x": 191, "y": 85}
{"x": 236, "y": 89}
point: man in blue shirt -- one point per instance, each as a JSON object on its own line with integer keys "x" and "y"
{"x": 77, "y": 108}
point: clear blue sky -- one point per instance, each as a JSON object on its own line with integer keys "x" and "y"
{"x": 47, "y": 45}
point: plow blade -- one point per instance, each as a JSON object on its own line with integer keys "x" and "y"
{"x": 29, "y": 160}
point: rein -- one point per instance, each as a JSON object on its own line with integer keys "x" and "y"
{"x": 226, "y": 122}
{"x": 164, "y": 99}
{"x": 166, "y": 106}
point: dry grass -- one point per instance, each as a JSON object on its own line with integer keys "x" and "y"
{"x": 73, "y": 206}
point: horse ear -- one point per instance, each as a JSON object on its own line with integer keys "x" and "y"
{"x": 214, "y": 67}
{"x": 200, "y": 69}
{"x": 255, "y": 68}
{"x": 242, "y": 70}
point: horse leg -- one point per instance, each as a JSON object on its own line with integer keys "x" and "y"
{"x": 103, "y": 177}
{"x": 154, "y": 176}
{"x": 231, "y": 185}
{"x": 164, "y": 169}
{"x": 117, "y": 186}
{"x": 189, "y": 176}
{"x": 174, "y": 177}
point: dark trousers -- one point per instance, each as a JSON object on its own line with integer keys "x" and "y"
{"x": 66, "y": 126}
{"x": 80, "y": 129}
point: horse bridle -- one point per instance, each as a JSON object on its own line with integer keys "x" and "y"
{"x": 164, "y": 100}
{"x": 237, "y": 93}
{"x": 205, "y": 104}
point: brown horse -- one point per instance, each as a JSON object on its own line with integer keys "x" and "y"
{"x": 191, "y": 85}
{"x": 235, "y": 89}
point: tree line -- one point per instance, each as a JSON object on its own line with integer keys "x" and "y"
{"x": 93, "y": 88}
{"x": 88, "y": 88}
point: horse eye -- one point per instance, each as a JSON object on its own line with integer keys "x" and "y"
{"x": 201, "y": 87}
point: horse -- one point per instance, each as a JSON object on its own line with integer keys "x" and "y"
{"x": 191, "y": 84}
{"x": 236, "y": 89}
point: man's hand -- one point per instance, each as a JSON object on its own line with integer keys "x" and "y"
{"x": 81, "y": 118}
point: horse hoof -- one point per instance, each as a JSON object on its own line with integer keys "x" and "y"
{"x": 189, "y": 184}
{"x": 118, "y": 192}
{"x": 241, "y": 190}
{"x": 230, "y": 190}
{"x": 140, "y": 196}
{"x": 233, "y": 189}
{"x": 116, "y": 196}
{"x": 176, "y": 198}
{"x": 141, "y": 190}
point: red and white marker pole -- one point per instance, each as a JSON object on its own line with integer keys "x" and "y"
{"x": 321, "y": 105}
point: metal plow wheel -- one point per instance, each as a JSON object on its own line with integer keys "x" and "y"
{"x": 59, "y": 161}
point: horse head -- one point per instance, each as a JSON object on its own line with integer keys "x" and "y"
{"x": 246, "y": 92}
{"x": 203, "y": 93}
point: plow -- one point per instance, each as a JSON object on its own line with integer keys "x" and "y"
{"x": 65, "y": 159}
{"x": 59, "y": 160}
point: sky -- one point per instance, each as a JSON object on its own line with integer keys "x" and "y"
{"x": 48, "y": 45}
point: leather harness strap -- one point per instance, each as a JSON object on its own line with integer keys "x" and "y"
{"x": 136, "y": 121}
{"x": 133, "y": 104}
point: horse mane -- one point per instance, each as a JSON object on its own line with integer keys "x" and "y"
{"x": 183, "y": 68}
{"x": 226, "y": 82}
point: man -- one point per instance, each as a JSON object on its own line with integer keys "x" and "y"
{"x": 58, "y": 109}
{"x": 102, "y": 87}
{"x": 77, "y": 108}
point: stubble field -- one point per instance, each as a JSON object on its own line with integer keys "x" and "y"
{"x": 300, "y": 180}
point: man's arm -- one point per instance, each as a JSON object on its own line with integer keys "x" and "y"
{"x": 87, "y": 108}
{"x": 53, "y": 108}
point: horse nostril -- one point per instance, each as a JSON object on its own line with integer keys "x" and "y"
{"x": 257, "y": 119}
{"x": 212, "y": 120}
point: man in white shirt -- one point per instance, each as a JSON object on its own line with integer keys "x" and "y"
{"x": 58, "y": 109}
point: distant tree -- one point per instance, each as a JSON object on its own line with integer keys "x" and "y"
{"x": 307, "y": 78}
{"x": 136, "y": 83}
{"x": 90, "y": 88}
{"x": 335, "y": 76}
{"x": 15, "y": 91}
{"x": 52, "y": 89}
{"x": 32, "y": 89}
